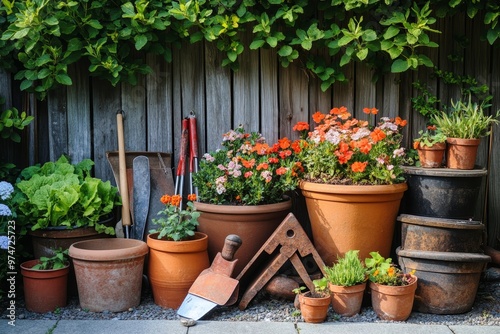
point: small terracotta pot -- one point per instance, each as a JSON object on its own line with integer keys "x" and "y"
{"x": 461, "y": 153}
{"x": 347, "y": 300}
{"x": 173, "y": 266}
{"x": 393, "y": 302}
{"x": 44, "y": 290}
{"x": 109, "y": 273}
{"x": 314, "y": 309}
{"x": 431, "y": 157}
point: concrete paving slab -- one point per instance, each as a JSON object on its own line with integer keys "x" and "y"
{"x": 26, "y": 326}
{"x": 241, "y": 327}
{"x": 120, "y": 326}
{"x": 372, "y": 328}
{"x": 475, "y": 329}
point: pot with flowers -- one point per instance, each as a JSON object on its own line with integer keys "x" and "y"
{"x": 353, "y": 181}
{"x": 430, "y": 146}
{"x": 242, "y": 189}
{"x": 177, "y": 253}
{"x": 392, "y": 290}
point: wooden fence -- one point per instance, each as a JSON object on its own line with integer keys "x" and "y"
{"x": 80, "y": 120}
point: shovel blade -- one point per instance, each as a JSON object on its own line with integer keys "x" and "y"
{"x": 194, "y": 307}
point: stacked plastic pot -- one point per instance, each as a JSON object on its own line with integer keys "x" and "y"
{"x": 440, "y": 240}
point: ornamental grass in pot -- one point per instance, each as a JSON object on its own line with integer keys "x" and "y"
{"x": 353, "y": 181}
{"x": 347, "y": 283}
{"x": 242, "y": 190}
{"x": 178, "y": 254}
{"x": 392, "y": 291}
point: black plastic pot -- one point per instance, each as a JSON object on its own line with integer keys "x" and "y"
{"x": 442, "y": 192}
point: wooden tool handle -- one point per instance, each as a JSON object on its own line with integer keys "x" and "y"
{"x": 123, "y": 171}
{"x": 231, "y": 245}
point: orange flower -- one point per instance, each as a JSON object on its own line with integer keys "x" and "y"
{"x": 263, "y": 165}
{"x": 301, "y": 126}
{"x": 191, "y": 197}
{"x": 165, "y": 199}
{"x": 391, "y": 271}
{"x": 400, "y": 122}
{"x": 364, "y": 146}
{"x": 377, "y": 135}
{"x": 318, "y": 117}
{"x": 247, "y": 163}
{"x": 359, "y": 167}
{"x": 261, "y": 149}
{"x": 431, "y": 127}
{"x": 273, "y": 160}
{"x": 416, "y": 144}
{"x": 296, "y": 146}
{"x": 176, "y": 200}
{"x": 368, "y": 111}
{"x": 285, "y": 153}
{"x": 284, "y": 143}
{"x": 281, "y": 171}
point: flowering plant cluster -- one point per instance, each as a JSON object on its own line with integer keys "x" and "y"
{"x": 176, "y": 223}
{"x": 6, "y": 213}
{"x": 431, "y": 136}
{"x": 344, "y": 150}
{"x": 247, "y": 170}
{"x": 383, "y": 271}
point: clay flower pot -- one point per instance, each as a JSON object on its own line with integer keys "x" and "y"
{"x": 461, "y": 153}
{"x": 393, "y": 303}
{"x": 347, "y": 300}
{"x": 314, "y": 309}
{"x": 109, "y": 273}
{"x": 173, "y": 266}
{"x": 431, "y": 156}
{"x": 44, "y": 290}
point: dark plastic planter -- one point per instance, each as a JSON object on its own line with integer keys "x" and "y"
{"x": 442, "y": 192}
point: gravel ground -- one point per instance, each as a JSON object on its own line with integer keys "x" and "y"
{"x": 485, "y": 311}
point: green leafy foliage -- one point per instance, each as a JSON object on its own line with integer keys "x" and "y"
{"x": 176, "y": 223}
{"x": 348, "y": 271}
{"x": 382, "y": 271}
{"x": 61, "y": 194}
{"x": 12, "y": 121}
{"x": 41, "y": 38}
{"x": 58, "y": 261}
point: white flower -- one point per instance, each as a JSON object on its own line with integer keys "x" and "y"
{"x": 6, "y": 189}
{"x": 361, "y": 133}
{"x": 333, "y": 137}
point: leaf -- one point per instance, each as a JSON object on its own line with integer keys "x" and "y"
{"x": 64, "y": 79}
{"x": 25, "y": 84}
{"x": 140, "y": 41}
{"x": 272, "y": 41}
{"x": 361, "y": 54}
{"x": 399, "y": 65}
{"x": 257, "y": 44}
{"x": 21, "y": 33}
{"x": 285, "y": 51}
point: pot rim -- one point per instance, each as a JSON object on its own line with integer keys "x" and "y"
{"x": 445, "y": 172}
{"x": 28, "y": 265}
{"x": 443, "y": 256}
{"x": 353, "y": 188}
{"x": 244, "y": 209}
{"x": 108, "y": 249}
{"x": 459, "y": 224}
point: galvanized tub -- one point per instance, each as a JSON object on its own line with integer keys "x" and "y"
{"x": 441, "y": 234}
{"x": 447, "y": 281}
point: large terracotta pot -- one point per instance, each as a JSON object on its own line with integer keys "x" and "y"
{"x": 254, "y": 224}
{"x": 347, "y": 300}
{"x": 314, "y": 309}
{"x": 173, "y": 266}
{"x": 346, "y": 217}
{"x": 461, "y": 153}
{"x": 431, "y": 156}
{"x": 44, "y": 290}
{"x": 393, "y": 302}
{"x": 109, "y": 273}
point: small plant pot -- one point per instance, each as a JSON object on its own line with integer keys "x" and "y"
{"x": 347, "y": 300}
{"x": 393, "y": 303}
{"x": 461, "y": 153}
{"x": 313, "y": 309}
{"x": 109, "y": 273}
{"x": 431, "y": 157}
{"x": 44, "y": 290}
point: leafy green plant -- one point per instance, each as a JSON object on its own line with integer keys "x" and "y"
{"x": 61, "y": 194}
{"x": 466, "y": 120}
{"x": 382, "y": 271}
{"x": 12, "y": 121}
{"x": 320, "y": 288}
{"x": 176, "y": 223}
{"x": 348, "y": 271}
{"x": 40, "y": 39}
{"x": 58, "y": 261}
{"x": 428, "y": 138}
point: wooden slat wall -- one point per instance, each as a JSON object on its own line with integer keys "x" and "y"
{"x": 80, "y": 120}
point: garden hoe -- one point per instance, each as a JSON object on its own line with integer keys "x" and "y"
{"x": 126, "y": 222}
{"x": 214, "y": 286}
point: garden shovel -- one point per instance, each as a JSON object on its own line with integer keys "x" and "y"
{"x": 141, "y": 195}
{"x": 214, "y": 286}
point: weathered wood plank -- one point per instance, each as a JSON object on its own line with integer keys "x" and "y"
{"x": 58, "y": 123}
{"x": 343, "y": 92}
{"x": 269, "y": 95}
{"x": 134, "y": 105}
{"x": 365, "y": 92}
{"x": 318, "y": 100}
{"x": 79, "y": 123}
{"x": 218, "y": 97}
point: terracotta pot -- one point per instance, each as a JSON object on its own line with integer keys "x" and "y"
{"x": 393, "y": 302}
{"x": 44, "y": 290}
{"x": 254, "y": 224}
{"x": 447, "y": 281}
{"x": 347, "y": 300}
{"x": 173, "y": 266}
{"x": 431, "y": 157}
{"x": 314, "y": 309}
{"x": 461, "y": 153}
{"x": 345, "y": 217}
{"x": 109, "y": 273}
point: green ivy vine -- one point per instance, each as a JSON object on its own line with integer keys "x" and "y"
{"x": 41, "y": 38}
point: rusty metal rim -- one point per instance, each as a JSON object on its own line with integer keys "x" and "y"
{"x": 444, "y": 256}
{"x": 458, "y": 224}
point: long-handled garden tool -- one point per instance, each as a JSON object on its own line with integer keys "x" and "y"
{"x": 193, "y": 149}
{"x": 181, "y": 167}
{"x": 214, "y": 286}
{"x": 123, "y": 176}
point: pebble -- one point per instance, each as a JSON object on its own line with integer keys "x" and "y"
{"x": 485, "y": 311}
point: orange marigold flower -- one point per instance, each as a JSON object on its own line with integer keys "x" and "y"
{"x": 248, "y": 163}
{"x": 318, "y": 117}
{"x": 191, "y": 197}
{"x": 377, "y": 135}
{"x": 263, "y": 165}
{"x": 176, "y": 200}
{"x": 261, "y": 149}
{"x": 165, "y": 199}
{"x": 296, "y": 146}
{"x": 301, "y": 126}
{"x": 359, "y": 167}
{"x": 391, "y": 271}
{"x": 284, "y": 143}
{"x": 281, "y": 171}
{"x": 400, "y": 122}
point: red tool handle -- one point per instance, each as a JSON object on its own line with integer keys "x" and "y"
{"x": 193, "y": 141}
{"x": 181, "y": 168}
